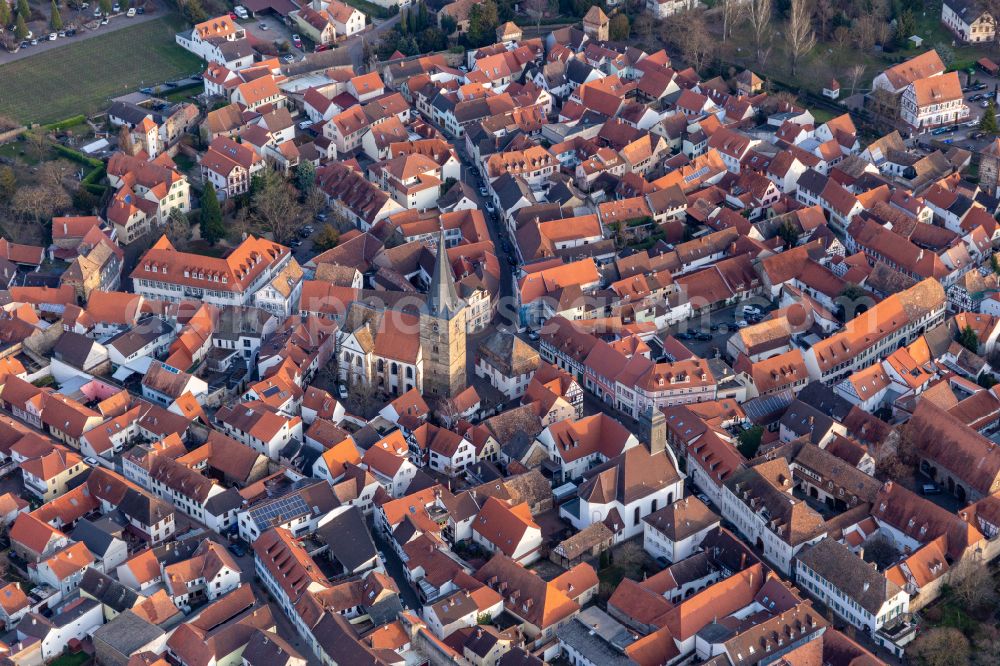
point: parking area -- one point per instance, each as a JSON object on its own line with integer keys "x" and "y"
{"x": 270, "y": 29}
{"x": 707, "y": 335}
{"x": 80, "y": 21}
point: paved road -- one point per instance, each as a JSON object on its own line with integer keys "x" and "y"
{"x": 394, "y": 567}
{"x": 154, "y": 10}
{"x": 497, "y": 229}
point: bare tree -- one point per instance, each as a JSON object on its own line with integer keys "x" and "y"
{"x": 643, "y": 25}
{"x": 842, "y": 36}
{"x": 39, "y": 202}
{"x": 854, "y": 74}
{"x": 759, "y": 16}
{"x": 972, "y": 584}
{"x": 38, "y": 141}
{"x": 276, "y": 206}
{"x": 864, "y": 31}
{"x": 799, "y": 33}
{"x": 824, "y": 12}
{"x": 538, "y": 8}
{"x": 696, "y": 43}
{"x": 884, "y": 104}
{"x": 178, "y": 227}
{"x": 731, "y": 10}
{"x": 940, "y": 646}
{"x": 125, "y": 143}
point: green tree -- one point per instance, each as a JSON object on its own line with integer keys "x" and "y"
{"x": 789, "y": 233}
{"x": 483, "y": 22}
{"x": 305, "y": 177}
{"x": 619, "y": 28}
{"x": 106, "y": 7}
{"x": 423, "y": 20}
{"x": 8, "y": 180}
{"x": 85, "y": 201}
{"x": 906, "y": 25}
{"x": 750, "y": 441}
{"x": 995, "y": 264}
{"x": 448, "y": 24}
{"x": 55, "y": 20}
{"x": 212, "y": 228}
{"x": 23, "y": 9}
{"x": 21, "y": 29}
{"x": 327, "y": 238}
{"x": 968, "y": 339}
{"x": 5, "y": 17}
{"x": 988, "y": 121}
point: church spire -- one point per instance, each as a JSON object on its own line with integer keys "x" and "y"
{"x": 442, "y": 297}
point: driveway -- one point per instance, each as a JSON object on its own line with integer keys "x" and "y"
{"x": 154, "y": 10}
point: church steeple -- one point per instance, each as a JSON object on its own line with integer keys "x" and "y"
{"x": 443, "y": 301}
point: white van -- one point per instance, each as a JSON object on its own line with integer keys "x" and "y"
{"x": 241, "y": 11}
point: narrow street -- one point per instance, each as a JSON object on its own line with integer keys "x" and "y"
{"x": 394, "y": 567}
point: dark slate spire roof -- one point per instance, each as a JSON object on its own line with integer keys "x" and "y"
{"x": 443, "y": 301}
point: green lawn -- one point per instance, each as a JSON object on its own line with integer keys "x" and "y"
{"x": 71, "y": 659}
{"x": 82, "y": 77}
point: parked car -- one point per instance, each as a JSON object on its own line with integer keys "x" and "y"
{"x": 237, "y": 549}
{"x": 305, "y": 124}
{"x": 534, "y": 336}
{"x": 97, "y": 11}
{"x": 985, "y": 103}
{"x": 684, "y": 335}
{"x": 295, "y": 242}
{"x": 930, "y": 489}
{"x": 131, "y": 12}
{"x": 140, "y": 10}
{"x": 489, "y": 206}
{"x": 483, "y": 191}
{"x": 241, "y": 11}
{"x": 321, "y": 47}
{"x": 105, "y": 21}
{"x": 233, "y": 15}
{"x": 342, "y": 392}
{"x": 52, "y": 36}
{"x": 703, "y": 337}
{"x": 741, "y": 323}
{"x": 262, "y": 25}
{"x": 940, "y": 130}
{"x": 289, "y": 58}
{"x": 321, "y": 217}
{"x": 297, "y": 41}
{"x": 62, "y": 33}
{"x": 116, "y": 8}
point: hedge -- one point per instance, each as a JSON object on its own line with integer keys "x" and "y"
{"x": 63, "y": 124}
{"x": 94, "y": 176}
{"x": 77, "y": 156}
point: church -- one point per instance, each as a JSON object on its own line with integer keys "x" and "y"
{"x": 394, "y": 350}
